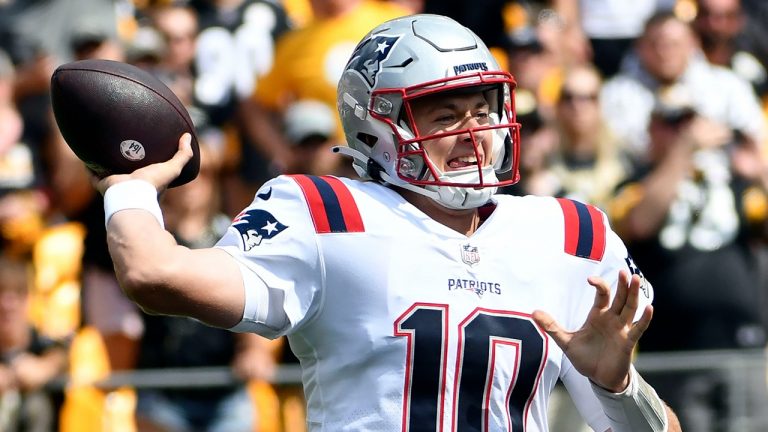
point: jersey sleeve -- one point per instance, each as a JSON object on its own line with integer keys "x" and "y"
{"x": 580, "y": 391}
{"x": 617, "y": 258}
{"x": 274, "y": 242}
{"x": 600, "y": 245}
{"x": 588, "y": 236}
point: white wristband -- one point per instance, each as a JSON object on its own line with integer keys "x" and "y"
{"x": 637, "y": 408}
{"x": 132, "y": 194}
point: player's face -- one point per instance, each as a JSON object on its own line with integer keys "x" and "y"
{"x": 447, "y": 113}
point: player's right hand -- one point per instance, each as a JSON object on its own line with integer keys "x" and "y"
{"x": 159, "y": 174}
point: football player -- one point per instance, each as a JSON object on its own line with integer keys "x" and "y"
{"x": 416, "y": 299}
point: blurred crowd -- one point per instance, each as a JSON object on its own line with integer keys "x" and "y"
{"x": 652, "y": 110}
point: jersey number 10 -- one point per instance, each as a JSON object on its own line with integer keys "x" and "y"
{"x": 480, "y": 334}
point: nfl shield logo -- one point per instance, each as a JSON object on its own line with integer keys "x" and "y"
{"x": 470, "y": 255}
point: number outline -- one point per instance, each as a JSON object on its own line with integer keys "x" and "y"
{"x": 494, "y": 341}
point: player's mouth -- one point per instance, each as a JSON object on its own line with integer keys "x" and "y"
{"x": 464, "y": 162}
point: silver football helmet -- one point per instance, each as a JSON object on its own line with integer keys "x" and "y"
{"x": 411, "y": 57}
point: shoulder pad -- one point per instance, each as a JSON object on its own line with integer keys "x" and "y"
{"x": 331, "y": 205}
{"x": 584, "y": 229}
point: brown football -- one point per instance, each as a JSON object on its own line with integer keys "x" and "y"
{"x": 118, "y": 118}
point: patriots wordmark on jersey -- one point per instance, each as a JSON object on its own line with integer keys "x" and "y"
{"x": 403, "y": 324}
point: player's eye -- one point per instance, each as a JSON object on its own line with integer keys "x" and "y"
{"x": 445, "y": 118}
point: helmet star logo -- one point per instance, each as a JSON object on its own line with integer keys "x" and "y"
{"x": 369, "y": 54}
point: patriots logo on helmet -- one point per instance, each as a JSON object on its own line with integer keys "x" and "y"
{"x": 256, "y": 225}
{"x": 369, "y": 54}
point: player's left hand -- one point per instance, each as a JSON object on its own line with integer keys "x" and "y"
{"x": 602, "y": 348}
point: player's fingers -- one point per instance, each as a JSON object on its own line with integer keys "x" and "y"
{"x": 553, "y": 329}
{"x": 622, "y": 291}
{"x": 99, "y": 184}
{"x": 184, "y": 153}
{"x": 641, "y": 326}
{"x": 602, "y": 292}
{"x": 633, "y": 299}
{"x": 161, "y": 174}
{"x": 172, "y": 168}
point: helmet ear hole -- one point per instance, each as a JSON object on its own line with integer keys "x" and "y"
{"x": 367, "y": 139}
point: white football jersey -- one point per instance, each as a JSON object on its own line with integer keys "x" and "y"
{"x": 403, "y": 324}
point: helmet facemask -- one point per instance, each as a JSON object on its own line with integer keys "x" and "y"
{"x": 466, "y": 187}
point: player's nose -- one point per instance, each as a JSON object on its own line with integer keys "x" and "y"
{"x": 470, "y": 130}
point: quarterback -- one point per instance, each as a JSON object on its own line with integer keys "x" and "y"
{"x": 414, "y": 298}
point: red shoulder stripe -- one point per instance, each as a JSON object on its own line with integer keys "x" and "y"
{"x": 331, "y": 205}
{"x": 352, "y": 219}
{"x": 584, "y": 229}
{"x": 571, "y": 225}
{"x": 315, "y": 203}
{"x": 598, "y": 232}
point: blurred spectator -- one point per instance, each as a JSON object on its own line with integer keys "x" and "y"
{"x": 539, "y": 141}
{"x": 28, "y": 361}
{"x": 756, "y": 34}
{"x": 146, "y": 49}
{"x": 534, "y": 55}
{"x": 192, "y": 215}
{"x": 481, "y": 16}
{"x": 413, "y": 6}
{"x": 235, "y": 47}
{"x": 308, "y": 65}
{"x": 310, "y": 127}
{"x": 37, "y": 36}
{"x": 691, "y": 219}
{"x": 602, "y": 31}
{"x": 44, "y": 27}
{"x": 22, "y": 201}
{"x": 722, "y": 29}
{"x": 667, "y": 54}
{"x": 95, "y": 41}
{"x": 575, "y": 155}
{"x": 589, "y": 161}
{"x": 178, "y": 26}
